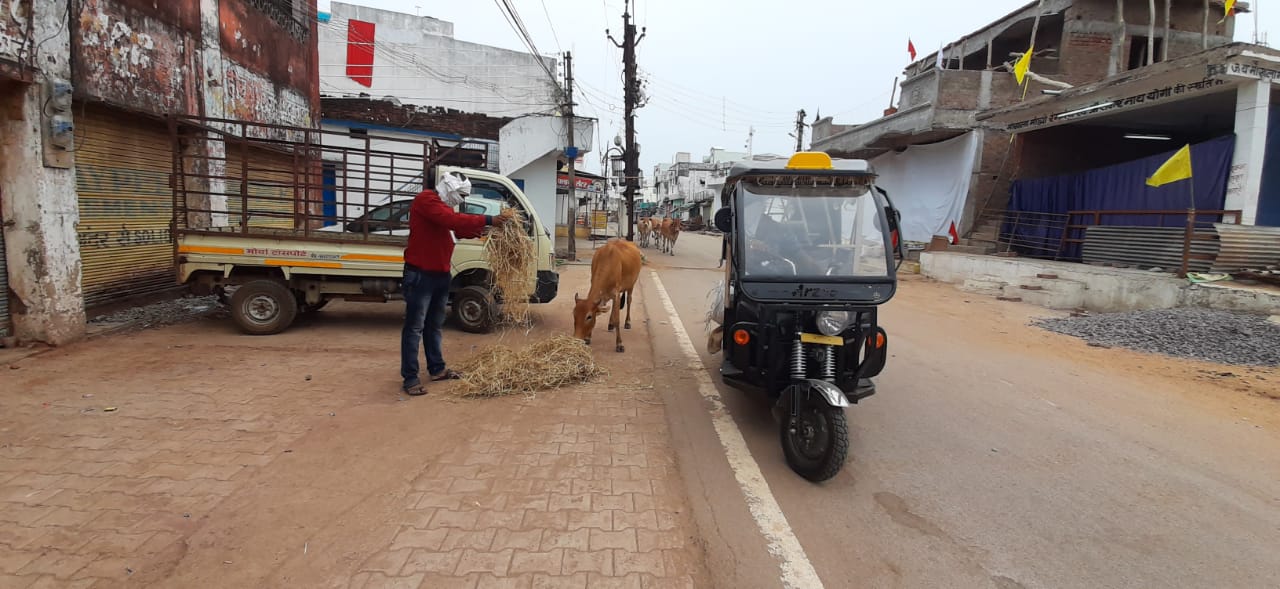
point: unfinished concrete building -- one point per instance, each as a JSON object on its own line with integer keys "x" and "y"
{"x": 935, "y": 124}
{"x": 85, "y": 87}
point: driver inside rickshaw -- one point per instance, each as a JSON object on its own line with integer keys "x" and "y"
{"x": 789, "y": 240}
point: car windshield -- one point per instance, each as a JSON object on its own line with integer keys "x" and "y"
{"x": 812, "y": 232}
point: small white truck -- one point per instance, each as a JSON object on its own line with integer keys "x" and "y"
{"x": 271, "y": 270}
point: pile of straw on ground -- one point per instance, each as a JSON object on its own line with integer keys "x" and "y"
{"x": 495, "y": 371}
{"x": 513, "y": 258}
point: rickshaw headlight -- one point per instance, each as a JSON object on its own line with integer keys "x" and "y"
{"x": 832, "y": 322}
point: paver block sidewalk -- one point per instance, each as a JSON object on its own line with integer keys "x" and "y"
{"x": 572, "y": 488}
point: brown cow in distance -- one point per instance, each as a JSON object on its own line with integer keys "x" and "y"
{"x": 614, "y": 270}
{"x": 643, "y": 229}
{"x": 660, "y": 227}
{"x": 670, "y": 230}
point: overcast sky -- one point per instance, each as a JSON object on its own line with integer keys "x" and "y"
{"x": 718, "y": 67}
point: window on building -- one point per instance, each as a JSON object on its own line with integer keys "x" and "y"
{"x": 1138, "y": 51}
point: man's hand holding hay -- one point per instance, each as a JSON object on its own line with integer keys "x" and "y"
{"x": 507, "y": 215}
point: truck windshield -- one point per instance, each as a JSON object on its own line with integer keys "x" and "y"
{"x": 812, "y": 232}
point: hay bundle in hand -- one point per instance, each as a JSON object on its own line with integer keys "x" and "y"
{"x": 495, "y": 371}
{"x": 513, "y": 259}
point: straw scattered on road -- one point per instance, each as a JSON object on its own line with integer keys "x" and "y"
{"x": 495, "y": 371}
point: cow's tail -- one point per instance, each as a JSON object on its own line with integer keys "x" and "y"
{"x": 622, "y": 301}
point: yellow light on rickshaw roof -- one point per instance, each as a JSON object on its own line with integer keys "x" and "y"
{"x": 810, "y": 160}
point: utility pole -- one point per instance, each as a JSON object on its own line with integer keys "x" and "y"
{"x": 573, "y": 156}
{"x": 800, "y": 130}
{"x": 751, "y": 134}
{"x": 631, "y": 92}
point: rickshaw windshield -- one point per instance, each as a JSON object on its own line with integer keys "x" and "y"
{"x": 812, "y": 232}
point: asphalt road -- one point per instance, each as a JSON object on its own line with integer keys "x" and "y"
{"x": 993, "y": 455}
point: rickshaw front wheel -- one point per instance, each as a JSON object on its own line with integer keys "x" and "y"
{"x": 816, "y": 441}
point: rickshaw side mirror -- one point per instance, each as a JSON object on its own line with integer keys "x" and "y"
{"x": 724, "y": 220}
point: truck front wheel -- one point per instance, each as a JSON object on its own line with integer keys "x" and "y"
{"x": 473, "y": 309}
{"x": 263, "y": 307}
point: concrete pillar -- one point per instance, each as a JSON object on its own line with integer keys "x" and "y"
{"x": 1253, "y": 101}
{"x": 40, "y": 210}
{"x": 211, "y": 154}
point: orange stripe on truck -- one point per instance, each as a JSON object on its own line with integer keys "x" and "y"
{"x": 204, "y": 249}
{"x": 302, "y": 263}
{"x": 372, "y": 258}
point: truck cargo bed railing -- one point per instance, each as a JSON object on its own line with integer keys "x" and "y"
{"x": 282, "y": 182}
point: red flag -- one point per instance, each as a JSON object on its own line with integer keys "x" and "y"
{"x": 911, "y": 48}
{"x": 955, "y": 237}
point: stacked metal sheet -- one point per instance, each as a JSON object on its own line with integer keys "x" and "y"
{"x": 1247, "y": 247}
{"x": 1146, "y": 247}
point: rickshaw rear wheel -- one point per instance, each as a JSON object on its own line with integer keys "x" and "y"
{"x": 816, "y": 441}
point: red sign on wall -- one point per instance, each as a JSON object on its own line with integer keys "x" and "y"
{"x": 360, "y": 52}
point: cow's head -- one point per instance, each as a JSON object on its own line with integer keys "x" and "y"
{"x": 585, "y": 312}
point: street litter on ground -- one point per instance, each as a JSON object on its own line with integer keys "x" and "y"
{"x": 496, "y": 371}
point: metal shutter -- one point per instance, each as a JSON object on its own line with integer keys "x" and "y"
{"x": 123, "y": 164}
{"x": 5, "y": 331}
{"x": 271, "y": 187}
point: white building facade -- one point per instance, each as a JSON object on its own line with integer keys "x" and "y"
{"x": 689, "y": 189}
{"x": 416, "y": 59}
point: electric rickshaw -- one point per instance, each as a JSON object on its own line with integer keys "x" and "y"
{"x": 812, "y": 252}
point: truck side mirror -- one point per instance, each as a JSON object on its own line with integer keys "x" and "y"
{"x": 724, "y": 220}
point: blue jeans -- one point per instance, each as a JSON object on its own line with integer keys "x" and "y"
{"x": 425, "y": 296}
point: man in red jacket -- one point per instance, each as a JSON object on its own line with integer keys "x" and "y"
{"x": 427, "y": 262}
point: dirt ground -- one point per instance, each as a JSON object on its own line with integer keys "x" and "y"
{"x": 1255, "y": 390}
{"x": 193, "y": 456}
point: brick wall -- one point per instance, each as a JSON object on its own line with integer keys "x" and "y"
{"x": 959, "y": 90}
{"x": 433, "y": 119}
{"x": 990, "y": 189}
{"x": 1091, "y": 26}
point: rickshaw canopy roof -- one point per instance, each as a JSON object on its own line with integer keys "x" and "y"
{"x": 805, "y": 163}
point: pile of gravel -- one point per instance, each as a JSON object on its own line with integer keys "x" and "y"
{"x": 1199, "y": 334}
{"x": 162, "y": 313}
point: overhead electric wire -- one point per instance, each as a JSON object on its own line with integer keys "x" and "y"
{"x": 710, "y": 97}
{"x": 518, "y": 26}
{"x": 551, "y": 24}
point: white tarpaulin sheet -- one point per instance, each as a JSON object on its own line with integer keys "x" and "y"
{"x": 929, "y": 183}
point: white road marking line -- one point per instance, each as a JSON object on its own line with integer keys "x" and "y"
{"x": 797, "y": 571}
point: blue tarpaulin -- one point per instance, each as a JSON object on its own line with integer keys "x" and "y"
{"x": 1039, "y": 207}
{"x": 1269, "y": 195}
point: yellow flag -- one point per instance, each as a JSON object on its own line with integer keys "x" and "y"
{"x": 1177, "y": 168}
{"x": 1228, "y": 9}
{"x": 1024, "y": 64}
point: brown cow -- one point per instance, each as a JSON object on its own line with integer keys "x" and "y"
{"x": 670, "y": 233}
{"x": 644, "y": 228}
{"x": 660, "y": 227}
{"x": 614, "y": 270}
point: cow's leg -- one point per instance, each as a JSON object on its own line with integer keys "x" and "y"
{"x": 613, "y": 320}
{"x": 630, "y": 303}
